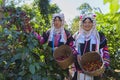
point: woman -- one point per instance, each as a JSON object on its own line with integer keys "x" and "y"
{"x": 89, "y": 39}
{"x": 57, "y": 35}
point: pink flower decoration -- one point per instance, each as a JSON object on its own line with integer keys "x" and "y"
{"x": 80, "y": 17}
{"x": 94, "y": 15}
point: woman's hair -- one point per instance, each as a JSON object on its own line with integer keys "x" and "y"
{"x": 87, "y": 18}
{"x": 58, "y": 18}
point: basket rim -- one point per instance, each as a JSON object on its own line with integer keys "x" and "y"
{"x": 97, "y": 70}
{"x": 91, "y": 53}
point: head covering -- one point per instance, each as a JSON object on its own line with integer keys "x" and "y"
{"x": 92, "y": 34}
{"x": 61, "y": 15}
{"x": 82, "y": 18}
{"x": 53, "y": 30}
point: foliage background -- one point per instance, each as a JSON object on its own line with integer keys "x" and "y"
{"x": 21, "y": 55}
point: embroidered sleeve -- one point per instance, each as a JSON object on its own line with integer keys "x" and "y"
{"x": 70, "y": 42}
{"x": 104, "y": 50}
{"x": 42, "y": 39}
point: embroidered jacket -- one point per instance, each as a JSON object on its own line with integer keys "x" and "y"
{"x": 44, "y": 38}
{"x": 103, "y": 50}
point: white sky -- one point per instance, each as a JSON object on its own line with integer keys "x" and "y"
{"x": 69, "y": 7}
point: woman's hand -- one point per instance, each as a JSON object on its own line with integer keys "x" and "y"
{"x": 37, "y": 36}
{"x": 78, "y": 58}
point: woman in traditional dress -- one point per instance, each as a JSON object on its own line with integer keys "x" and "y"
{"x": 89, "y": 39}
{"x": 57, "y": 35}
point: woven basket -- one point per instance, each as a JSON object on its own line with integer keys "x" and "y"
{"x": 92, "y": 57}
{"x": 62, "y": 52}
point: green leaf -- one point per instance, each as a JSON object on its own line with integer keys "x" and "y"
{"x": 6, "y": 31}
{"x": 1, "y": 28}
{"x": 37, "y": 66}
{"x": 2, "y": 76}
{"x": 1, "y": 2}
{"x": 19, "y": 78}
{"x": 32, "y": 68}
{"x": 36, "y": 77}
{"x": 118, "y": 26}
{"x": 15, "y": 57}
{"x": 42, "y": 57}
{"x": 44, "y": 78}
{"x": 22, "y": 73}
{"x": 106, "y": 1}
{"x": 114, "y": 6}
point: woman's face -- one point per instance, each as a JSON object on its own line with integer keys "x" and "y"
{"x": 57, "y": 22}
{"x": 87, "y": 24}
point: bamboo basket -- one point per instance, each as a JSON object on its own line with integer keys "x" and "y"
{"x": 91, "y": 57}
{"x": 60, "y": 53}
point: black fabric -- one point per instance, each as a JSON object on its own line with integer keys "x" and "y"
{"x": 69, "y": 38}
{"x": 82, "y": 47}
{"x": 103, "y": 41}
{"x": 76, "y": 63}
{"x": 46, "y": 35}
{"x": 75, "y": 76}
